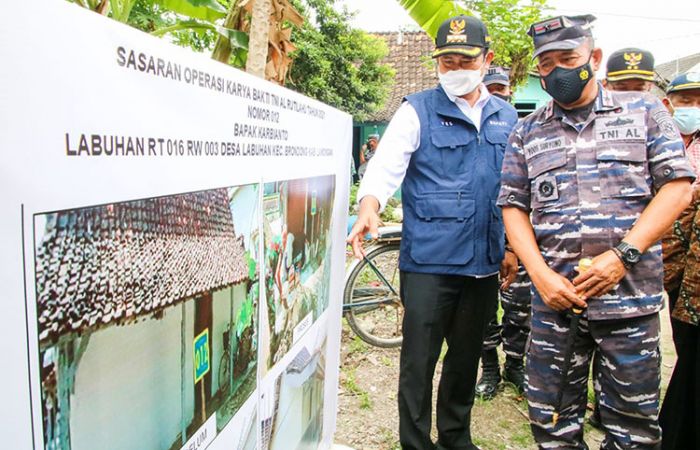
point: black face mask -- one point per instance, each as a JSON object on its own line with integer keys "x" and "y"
{"x": 507, "y": 98}
{"x": 566, "y": 85}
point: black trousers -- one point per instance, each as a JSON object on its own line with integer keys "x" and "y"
{"x": 680, "y": 411}
{"x": 441, "y": 308}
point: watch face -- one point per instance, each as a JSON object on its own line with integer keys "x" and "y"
{"x": 632, "y": 255}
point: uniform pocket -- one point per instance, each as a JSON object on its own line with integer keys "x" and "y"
{"x": 623, "y": 170}
{"x": 444, "y": 231}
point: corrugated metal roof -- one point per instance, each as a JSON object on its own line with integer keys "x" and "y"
{"x": 669, "y": 70}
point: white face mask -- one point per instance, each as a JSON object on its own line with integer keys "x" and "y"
{"x": 459, "y": 82}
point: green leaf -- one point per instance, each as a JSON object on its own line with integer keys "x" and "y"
{"x": 183, "y": 25}
{"x": 209, "y": 10}
{"x": 238, "y": 39}
{"x": 429, "y": 14}
{"x": 121, "y": 9}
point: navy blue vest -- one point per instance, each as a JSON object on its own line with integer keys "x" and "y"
{"x": 451, "y": 222}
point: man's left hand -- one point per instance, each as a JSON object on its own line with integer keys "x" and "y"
{"x": 605, "y": 272}
{"x": 509, "y": 269}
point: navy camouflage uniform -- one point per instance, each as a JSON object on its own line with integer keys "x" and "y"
{"x": 514, "y": 328}
{"x": 584, "y": 186}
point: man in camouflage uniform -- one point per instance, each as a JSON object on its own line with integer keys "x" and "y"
{"x": 512, "y": 332}
{"x": 627, "y": 69}
{"x": 514, "y": 328}
{"x": 601, "y": 175}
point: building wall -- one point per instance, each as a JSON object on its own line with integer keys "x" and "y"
{"x": 289, "y": 426}
{"x": 531, "y": 92}
{"x": 127, "y": 385}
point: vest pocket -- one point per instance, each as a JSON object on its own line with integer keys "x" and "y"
{"x": 498, "y": 138}
{"x": 455, "y": 149}
{"x": 444, "y": 231}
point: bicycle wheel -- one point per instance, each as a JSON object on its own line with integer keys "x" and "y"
{"x": 371, "y": 297}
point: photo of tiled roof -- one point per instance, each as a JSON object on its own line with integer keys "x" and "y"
{"x": 111, "y": 264}
{"x": 409, "y": 55}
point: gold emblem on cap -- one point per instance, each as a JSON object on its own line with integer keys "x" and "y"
{"x": 457, "y": 26}
{"x": 584, "y": 75}
{"x": 457, "y": 33}
{"x": 632, "y": 60}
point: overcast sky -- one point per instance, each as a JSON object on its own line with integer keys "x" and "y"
{"x": 670, "y": 29}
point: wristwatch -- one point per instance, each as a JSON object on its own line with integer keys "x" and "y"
{"x": 628, "y": 254}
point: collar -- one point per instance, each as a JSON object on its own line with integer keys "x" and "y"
{"x": 604, "y": 101}
{"x": 480, "y": 102}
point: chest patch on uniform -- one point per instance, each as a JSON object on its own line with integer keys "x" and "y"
{"x": 546, "y": 189}
{"x": 536, "y": 148}
{"x": 628, "y": 127}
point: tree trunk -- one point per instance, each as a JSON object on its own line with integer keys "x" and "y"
{"x": 259, "y": 38}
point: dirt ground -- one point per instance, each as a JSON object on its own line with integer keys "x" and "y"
{"x": 367, "y": 411}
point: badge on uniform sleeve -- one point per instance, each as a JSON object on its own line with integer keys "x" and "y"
{"x": 666, "y": 125}
{"x": 546, "y": 189}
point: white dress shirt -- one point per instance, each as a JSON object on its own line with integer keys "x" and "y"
{"x": 387, "y": 168}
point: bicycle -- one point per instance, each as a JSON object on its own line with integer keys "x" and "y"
{"x": 371, "y": 301}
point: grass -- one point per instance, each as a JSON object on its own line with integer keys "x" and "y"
{"x": 357, "y": 345}
{"x": 489, "y": 444}
{"x": 350, "y": 384}
{"x": 389, "y": 440}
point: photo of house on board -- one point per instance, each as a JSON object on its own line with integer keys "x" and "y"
{"x": 147, "y": 319}
{"x": 291, "y": 404}
{"x": 296, "y": 228}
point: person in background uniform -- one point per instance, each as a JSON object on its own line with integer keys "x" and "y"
{"x": 447, "y": 145}
{"x": 630, "y": 69}
{"x": 601, "y": 175}
{"x": 515, "y": 301}
{"x": 366, "y": 153}
{"x": 369, "y": 148}
{"x": 680, "y": 412}
{"x": 498, "y": 83}
{"x": 512, "y": 333}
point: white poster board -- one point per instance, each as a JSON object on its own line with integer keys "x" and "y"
{"x": 172, "y": 233}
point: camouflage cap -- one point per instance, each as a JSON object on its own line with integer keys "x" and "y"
{"x": 464, "y": 35}
{"x": 560, "y": 33}
{"x": 630, "y": 63}
{"x": 497, "y": 75}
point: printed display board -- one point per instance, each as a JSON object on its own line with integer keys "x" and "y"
{"x": 172, "y": 233}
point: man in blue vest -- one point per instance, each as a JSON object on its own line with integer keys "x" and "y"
{"x": 446, "y": 144}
